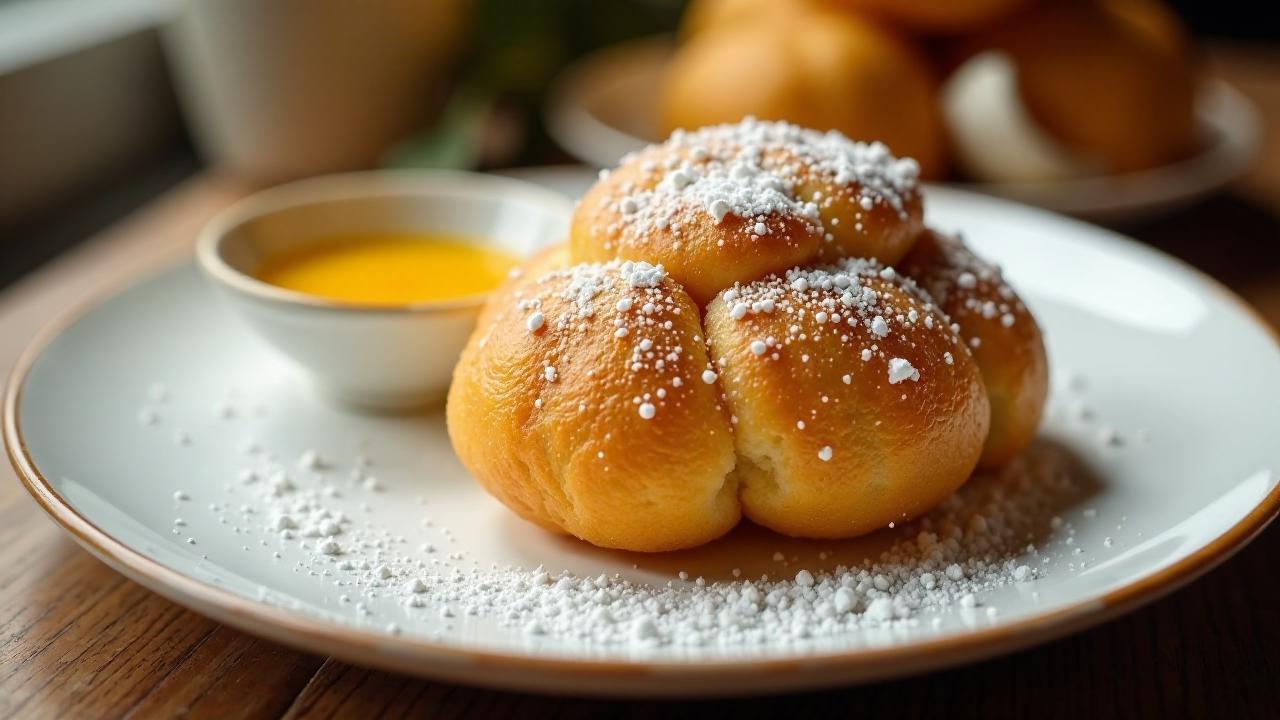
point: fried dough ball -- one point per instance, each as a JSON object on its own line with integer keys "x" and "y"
{"x": 580, "y": 404}
{"x": 854, "y": 403}
{"x": 1000, "y": 332}
{"x": 733, "y": 203}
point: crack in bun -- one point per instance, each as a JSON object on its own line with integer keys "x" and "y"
{"x": 857, "y": 405}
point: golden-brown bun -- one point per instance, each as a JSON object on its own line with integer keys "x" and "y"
{"x": 822, "y": 70}
{"x": 854, "y": 403}
{"x": 552, "y": 257}
{"x": 733, "y": 203}
{"x": 936, "y": 16}
{"x": 580, "y": 404}
{"x": 1001, "y": 334}
{"x": 1105, "y": 80}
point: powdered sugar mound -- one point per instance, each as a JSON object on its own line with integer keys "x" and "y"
{"x": 900, "y": 369}
{"x": 744, "y": 147}
{"x": 585, "y": 283}
{"x": 642, "y": 274}
{"x": 737, "y": 187}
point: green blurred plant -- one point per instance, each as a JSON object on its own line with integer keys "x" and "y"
{"x": 491, "y": 116}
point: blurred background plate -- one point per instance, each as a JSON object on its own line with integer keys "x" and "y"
{"x": 605, "y": 105}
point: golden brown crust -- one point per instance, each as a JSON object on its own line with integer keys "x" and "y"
{"x": 734, "y": 203}
{"x": 854, "y": 403}
{"x": 704, "y": 255}
{"x": 877, "y": 231}
{"x": 1000, "y": 332}
{"x": 822, "y": 401}
{"x": 593, "y": 419}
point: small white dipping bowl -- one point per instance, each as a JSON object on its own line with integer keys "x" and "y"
{"x": 387, "y": 358}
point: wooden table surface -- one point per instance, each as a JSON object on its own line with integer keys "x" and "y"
{"x": 78, "y": 640}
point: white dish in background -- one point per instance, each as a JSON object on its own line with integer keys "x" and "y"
{"x": 1145, "y": 352}
{"x": 381, "y": 357}
{"x": 604, "y": 105}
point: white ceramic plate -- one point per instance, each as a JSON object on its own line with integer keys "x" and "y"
{"x": 1168, "y": 361}
{"x": 603, "y": 106}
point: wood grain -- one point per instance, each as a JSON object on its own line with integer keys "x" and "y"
{"x": 78, "y": 640}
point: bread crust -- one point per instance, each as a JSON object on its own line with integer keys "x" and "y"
{"x": 549, "y": 419}
{"x": 734, "y": 203}
{"x": 772, "y": 369}
{"x": 834, "y": 437}
{"x": 999, "y": 331}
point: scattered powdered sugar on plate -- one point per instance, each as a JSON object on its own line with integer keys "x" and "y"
{"x": 997, "y": 531}
{"x": 1069, "y": 400}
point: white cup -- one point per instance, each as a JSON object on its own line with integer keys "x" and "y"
{"x": 373, "y": 357}
{"x": 281, "y": 89}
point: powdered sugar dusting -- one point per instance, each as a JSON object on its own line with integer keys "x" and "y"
{"x": 980, "y": 540}
{"x": 752, "y": 170}
{"x": 843, "y": 299}
{"x": 900, "y": 369}
{"x": 640, "y": 309}
{"x": 321, "y": 521}
{"x": 963, "y": 283}
{"x": 642, "y": 274}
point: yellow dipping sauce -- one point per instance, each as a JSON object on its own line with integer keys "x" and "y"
{"x": 390, "y": 268}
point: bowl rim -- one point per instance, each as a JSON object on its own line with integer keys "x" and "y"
{"x": 212, "y": 238}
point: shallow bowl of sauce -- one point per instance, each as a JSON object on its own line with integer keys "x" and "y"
{"x": 371, "y": 282}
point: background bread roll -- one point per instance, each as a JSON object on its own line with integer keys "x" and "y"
{"x": 1107, "y": 79}
{"x": 854, "y": 403}
{"x": 823, "y": 70}
{"x": 580, "y": 404}
{"x": 1000, "y": 332}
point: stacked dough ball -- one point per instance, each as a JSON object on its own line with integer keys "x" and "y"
{"x": 994, "y": 90}
{"x": 726, "y": 334}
